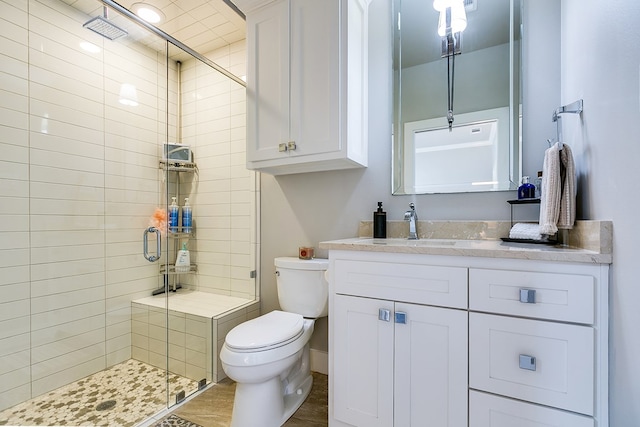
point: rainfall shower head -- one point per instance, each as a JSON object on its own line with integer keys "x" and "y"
{"x": 104, "y": 27}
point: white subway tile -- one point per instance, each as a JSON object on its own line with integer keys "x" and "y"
{"x": 89, "y": 342}
{"x": 67, "y": 300}
{"x": 14, "y": 327}
{"x": 13, "y": 309}
{"x": 115, "y": 354}
{"x": 12, "y": 397}
{"x": 14, "y": 42}
{"x": 93, "y": 324}
{"x": 196, "y": 343}
{"x": 14, "y": 379}
{"x": 14, "y": 118}
{"x": 53, "y": 175}
{"x": 49, "y": 378}
{"x": 51, "y": 318}
{"x": 84, "y": 267}
{"x": 14, "y": 361}
{"x": 13, "y": 257}
{"x": 118, "y": 341}
{"x": 65, "y": 238}
{"x": 14, "y": 275}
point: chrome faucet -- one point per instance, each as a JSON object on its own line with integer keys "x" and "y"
{"x": 412, "y": 217}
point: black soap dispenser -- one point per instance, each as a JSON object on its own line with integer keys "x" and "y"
{"x": 379, "y": 223}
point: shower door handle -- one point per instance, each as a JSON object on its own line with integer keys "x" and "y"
{"x": 145, "y": 244}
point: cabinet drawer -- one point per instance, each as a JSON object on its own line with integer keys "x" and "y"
{"x": 561, "y": 373}
{"x": 554, "y": 296}
{"x": 486, "y": 410}
{"x": 421, "y": 284}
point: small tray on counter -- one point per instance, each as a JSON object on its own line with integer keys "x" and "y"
{"x": 538, "y": 242}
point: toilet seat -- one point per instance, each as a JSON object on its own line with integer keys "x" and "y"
{"x": 271, "y": 330}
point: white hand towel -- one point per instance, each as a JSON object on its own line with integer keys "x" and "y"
{"x": 557, "y": 198}
{"x": 525, "y": 231}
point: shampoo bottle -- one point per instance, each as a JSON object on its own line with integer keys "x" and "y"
{"x": 186, "y": 216}
{"x": 183, "y": 260}
{"x": 173, "y": 215}
{"x": 379, "y": 223}
{"x": 526, "y": 190}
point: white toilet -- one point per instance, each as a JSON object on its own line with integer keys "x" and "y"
{"x": 268, "y": 357}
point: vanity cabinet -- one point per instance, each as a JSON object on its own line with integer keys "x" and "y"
{"x": 306, "y": 85}
{"x": 395, "y": 363}
{"x": 537, "y": 337}
{"x": 466, "y": 341}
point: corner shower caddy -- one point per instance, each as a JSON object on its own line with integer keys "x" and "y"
{"x": 175, "y": 169}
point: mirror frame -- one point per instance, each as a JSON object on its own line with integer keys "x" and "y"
{"x": 398, "y": 184}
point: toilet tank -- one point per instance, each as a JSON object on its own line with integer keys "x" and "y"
{"x": 302, "y": 286}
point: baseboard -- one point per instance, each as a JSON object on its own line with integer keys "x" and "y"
{"x": 319, "y": 361}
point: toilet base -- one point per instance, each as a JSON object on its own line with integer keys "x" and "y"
{"x": 267, "y": 406}
{"x": 293, "y": 401}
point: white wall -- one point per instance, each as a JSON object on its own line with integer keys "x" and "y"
{"x": 601, "y": 64}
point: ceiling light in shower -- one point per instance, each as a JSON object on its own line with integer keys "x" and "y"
{"x": 149, "y": 13}
{"x": 128, "y": 95}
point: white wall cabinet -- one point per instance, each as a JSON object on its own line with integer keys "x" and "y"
{"x": 306, "y": 85}
{"x": 517, "y": 342}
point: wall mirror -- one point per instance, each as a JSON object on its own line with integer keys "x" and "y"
{"x": 482, "y": 150}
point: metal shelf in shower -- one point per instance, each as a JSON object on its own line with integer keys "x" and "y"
{"x": 171, "y": 269}
{"x": 178, "y": 166}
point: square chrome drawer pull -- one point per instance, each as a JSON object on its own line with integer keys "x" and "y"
{"x": 384, "y": 315}
{"x": 527, "y": 362}
{"x": 401, "y": 317}
{"x": 528, "y": 296}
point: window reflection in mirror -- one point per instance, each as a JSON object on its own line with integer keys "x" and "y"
{"x": 482, "y": 152}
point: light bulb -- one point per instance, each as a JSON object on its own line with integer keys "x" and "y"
{"x": 458, "y": 19}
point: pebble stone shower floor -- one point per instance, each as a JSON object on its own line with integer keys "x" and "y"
{"x": 123, "y": 395}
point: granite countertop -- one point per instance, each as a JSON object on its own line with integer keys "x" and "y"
{"x": 595, "y": 242}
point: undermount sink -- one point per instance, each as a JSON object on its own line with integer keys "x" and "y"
{"x": 407, "y": 242}
{"x": 431, "y": 242}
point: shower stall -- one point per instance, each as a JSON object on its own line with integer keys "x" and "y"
{"x": 91, "y": 332}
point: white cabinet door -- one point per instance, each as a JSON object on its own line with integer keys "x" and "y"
{"x": 267, "y": 80}
{"x": 363, "y": 362}
{"x": 389, "y": 373}
{"x": 315, "y": 77}
{"x": 430, "y": 366}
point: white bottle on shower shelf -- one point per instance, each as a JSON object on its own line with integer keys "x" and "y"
{"x": 186, "y": 216}
{"x": 183, "y": 260}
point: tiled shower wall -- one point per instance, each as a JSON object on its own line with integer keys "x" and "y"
{"x": 223, "y": 192}
{"x": 79, "y": 180}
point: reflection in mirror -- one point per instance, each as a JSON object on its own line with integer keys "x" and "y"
{"x": 482, "y": 150}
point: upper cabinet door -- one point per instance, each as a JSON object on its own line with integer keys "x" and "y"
{"x": 307, "y": 86}
{"x": 267, "y": 80}
{"x": 315, "y": 76}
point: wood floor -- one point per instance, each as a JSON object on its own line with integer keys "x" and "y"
{"x": 212, "y": 408}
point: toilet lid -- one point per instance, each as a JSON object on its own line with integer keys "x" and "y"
{"x": 269, "y": 330}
